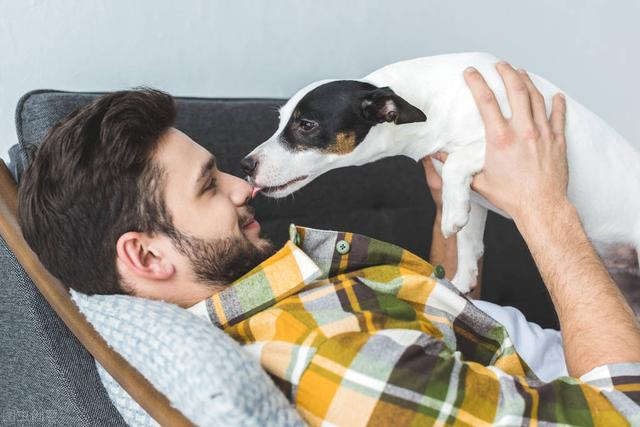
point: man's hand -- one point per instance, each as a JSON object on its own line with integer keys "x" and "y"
{"x": 528, "y": 139}
{"x": 525, "y": 174}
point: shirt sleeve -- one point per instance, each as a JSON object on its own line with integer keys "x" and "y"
{"x": 427, "y": 384}
{"x": 620, "y": 383}
{"x": 598, "y": 398}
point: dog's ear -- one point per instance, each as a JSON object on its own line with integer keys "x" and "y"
{"x": 383, "y": 105}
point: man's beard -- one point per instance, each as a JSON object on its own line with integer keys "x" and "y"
{"x": 219, "y": 262}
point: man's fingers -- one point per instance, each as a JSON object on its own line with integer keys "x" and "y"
{"x": 441, "y": 156}
{"x": 434, "y": 181}
{"x": 558, "y": 116}
{"x": 518, "y": 95}
{"x": 479, "y": 183}
{"x": 537, "y": 102}
{"x": 485, "y": 100}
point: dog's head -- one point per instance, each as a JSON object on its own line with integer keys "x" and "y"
{"x": 326, "y": 125}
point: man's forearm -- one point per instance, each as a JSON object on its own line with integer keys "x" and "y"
{"x": 598, "y": 327}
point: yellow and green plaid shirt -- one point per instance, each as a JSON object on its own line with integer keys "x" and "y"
{"x": 356, "y": 331}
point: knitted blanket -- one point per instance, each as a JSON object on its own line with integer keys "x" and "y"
{"x": 203, "y": 372}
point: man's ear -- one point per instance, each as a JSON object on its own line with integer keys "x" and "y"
{"x": 142, "y": 256}
{"x": 383, "y": 105}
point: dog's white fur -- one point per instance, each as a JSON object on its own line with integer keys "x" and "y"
{"x": 604, "y": 169}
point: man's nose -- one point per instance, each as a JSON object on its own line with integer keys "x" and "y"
{"x": 239, "y": 191}
{"x": 249, "y": 165}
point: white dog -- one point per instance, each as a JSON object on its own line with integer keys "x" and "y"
{"x": 336, "y": 123}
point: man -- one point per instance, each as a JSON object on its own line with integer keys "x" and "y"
{"x": 353, "y": 330}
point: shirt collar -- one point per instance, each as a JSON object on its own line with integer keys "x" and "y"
{"x": 281, "y": 275}
{"x": 309, "y": 255}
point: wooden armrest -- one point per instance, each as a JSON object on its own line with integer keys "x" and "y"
{"x": 141, "y": 390}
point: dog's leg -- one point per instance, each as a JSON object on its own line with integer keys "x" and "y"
{"x": 457, "y": 173}
{"x": 470, "y": 248}
{"x": 459, "y": 214}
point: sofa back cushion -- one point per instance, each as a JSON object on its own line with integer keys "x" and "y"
{"x": 387, "y": 199}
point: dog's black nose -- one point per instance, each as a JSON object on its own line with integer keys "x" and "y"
{"x": 249, "y": 165}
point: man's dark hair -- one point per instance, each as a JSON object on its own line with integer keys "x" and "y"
{"x": 92, "y": 179}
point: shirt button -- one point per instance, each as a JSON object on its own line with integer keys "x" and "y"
{"x": 294, "y": 236}
{"x": 439, "y": 272}
{"x": 343, "y": 247}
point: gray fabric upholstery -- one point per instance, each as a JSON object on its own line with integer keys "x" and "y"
{"x": 47, "y": 368}
{"x": 362, "y": 200}
{"x": 47, "y": 375}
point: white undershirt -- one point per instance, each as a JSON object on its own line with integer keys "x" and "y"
{"x": 540, "y": 348}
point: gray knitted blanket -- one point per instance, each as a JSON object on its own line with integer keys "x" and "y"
{"x": 202, "y": 371}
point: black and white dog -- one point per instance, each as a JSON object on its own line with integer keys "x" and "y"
{"x": 418, "y": 107}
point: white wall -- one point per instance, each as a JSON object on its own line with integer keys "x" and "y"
{"x": 271, "y": 48}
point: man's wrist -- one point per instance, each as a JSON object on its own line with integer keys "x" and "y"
{"x": 534, "y": 219}
{"x": 438, "y": 219}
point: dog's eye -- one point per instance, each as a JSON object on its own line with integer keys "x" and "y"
{"x": 307, "y": 125}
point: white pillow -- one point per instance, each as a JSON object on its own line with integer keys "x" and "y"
{"x": 202, "y": 371}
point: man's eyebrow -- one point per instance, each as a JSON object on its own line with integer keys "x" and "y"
{"x": 204, "y": 172}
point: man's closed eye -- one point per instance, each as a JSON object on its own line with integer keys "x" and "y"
{"x": 210, "y": 185}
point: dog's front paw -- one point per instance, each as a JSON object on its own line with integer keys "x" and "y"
{"x": 453, "y": 220}
{"x": 465, "y": 281}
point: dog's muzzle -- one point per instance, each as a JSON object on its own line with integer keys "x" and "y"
{"x": 249, "y": 165}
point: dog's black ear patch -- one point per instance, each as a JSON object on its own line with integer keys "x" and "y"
{"x": 384, "y": 105}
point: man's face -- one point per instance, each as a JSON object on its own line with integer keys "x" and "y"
{"x": 216, "y": 238}
{"x": 204, "y": 202}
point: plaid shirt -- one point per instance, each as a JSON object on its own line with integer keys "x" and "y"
{"x": 356, "y": 331}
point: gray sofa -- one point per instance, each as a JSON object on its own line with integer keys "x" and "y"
{"x": 46, "y": 373}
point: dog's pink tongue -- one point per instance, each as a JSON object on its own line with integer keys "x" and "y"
{"x": 255, "y": 191}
